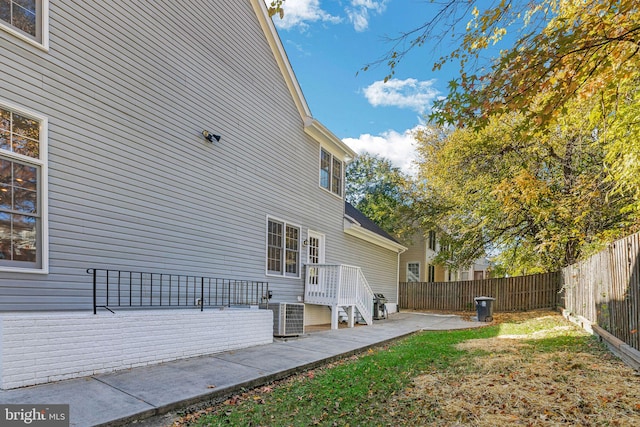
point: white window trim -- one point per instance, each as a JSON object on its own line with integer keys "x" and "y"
{"x": 419, "y": 269}
{"x": 313, "y": 274}
{"x": 333, "y": 156}
{"x": 266, "y": 243}
{"x": 42, "y": 163}
{"x": 44, "y": 23}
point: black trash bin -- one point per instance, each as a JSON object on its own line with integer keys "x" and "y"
{"x": 484, "y": 308}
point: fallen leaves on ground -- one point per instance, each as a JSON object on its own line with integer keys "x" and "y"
{"x": 508, "y": 383}
{"x": 509, "y": 379}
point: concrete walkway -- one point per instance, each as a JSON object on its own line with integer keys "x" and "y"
{"x": 120, "y": 398}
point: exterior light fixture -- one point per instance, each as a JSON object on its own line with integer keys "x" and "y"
{"x": 210, "y": 136}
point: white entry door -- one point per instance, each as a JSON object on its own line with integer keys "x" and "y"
{"x": 315, "y": 255}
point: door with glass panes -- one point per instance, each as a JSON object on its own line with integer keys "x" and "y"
{"x": 315, "y": 255}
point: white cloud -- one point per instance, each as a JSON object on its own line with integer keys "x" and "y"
{"x": 399, "y": 148}
{"x": 359, "y": 11}
{"x": 409, "y": 93}
{"x": 298, "y": 13}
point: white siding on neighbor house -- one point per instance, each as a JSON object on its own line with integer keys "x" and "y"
{"x": 127, "y": 88}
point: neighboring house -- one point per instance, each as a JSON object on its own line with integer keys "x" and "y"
{"x": 417, "y": 263}
{"x": 104, "y": 165}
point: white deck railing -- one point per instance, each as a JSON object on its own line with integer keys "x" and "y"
{"x": 337, "y": 285}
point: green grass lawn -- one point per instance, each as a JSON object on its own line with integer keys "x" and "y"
{"x": 418, "y": 381}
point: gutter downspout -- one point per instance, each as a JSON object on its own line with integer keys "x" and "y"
{"x": 398, "y": 286}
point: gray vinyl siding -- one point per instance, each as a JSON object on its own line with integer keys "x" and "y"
{"x": 127, "y": 87}
{"x": 378, "y": 264}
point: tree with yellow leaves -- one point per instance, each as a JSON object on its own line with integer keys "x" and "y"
{"x": 564, "y": 50}
{"x": 541, "y": 199}
{"x": 544, "y": 160}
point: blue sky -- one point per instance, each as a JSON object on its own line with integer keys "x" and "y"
{"x": 328, "y": 42}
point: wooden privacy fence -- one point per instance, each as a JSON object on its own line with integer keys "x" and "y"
{"x": 511, "y": 293}
{"x": 605, "y": 289}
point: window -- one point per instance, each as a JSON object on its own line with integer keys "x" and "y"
{"x": 27, "y": 19}
{"x": 22, "y": 178}
{"x": 336, "y": 177}
{"x": 330, "y": 172}
{"x": 432, "y": 240}
{"x": 432, "y": 274}
{"x": 283, "y": 249}
{"x": 413, "y": 272}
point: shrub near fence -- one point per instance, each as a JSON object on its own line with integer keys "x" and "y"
{"x": 511, "y": 293}
{"x": 605, "y": 289}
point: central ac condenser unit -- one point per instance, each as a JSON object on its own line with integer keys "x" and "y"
{"x": 288, "y": 319}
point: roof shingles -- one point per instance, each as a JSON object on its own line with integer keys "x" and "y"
{"x": 365, "y": 222}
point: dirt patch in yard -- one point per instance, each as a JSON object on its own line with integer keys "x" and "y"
{"x": 511, "y": 380}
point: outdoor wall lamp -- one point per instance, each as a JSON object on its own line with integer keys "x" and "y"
{"x": 209, "y": 136}
{"x": 305, "y": 242}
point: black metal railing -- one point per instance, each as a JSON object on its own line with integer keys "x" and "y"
{"x": 136, "y": 289}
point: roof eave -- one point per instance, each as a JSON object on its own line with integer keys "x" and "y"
{"x": 353, "y": 228}
{"x": 280, "y": 55}
{"x": 312, "y": 127}
{"x": 319, "y": 132}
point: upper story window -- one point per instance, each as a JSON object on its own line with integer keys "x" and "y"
{"x": 283, "y": 249}
{"x": 28, "y": 19}
{"x": 22, "y": 178}
{"x": 431, "y": 238}
{"x": 331, "y": 169}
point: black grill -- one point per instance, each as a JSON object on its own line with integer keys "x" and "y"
{"x": 379, "y": 307}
